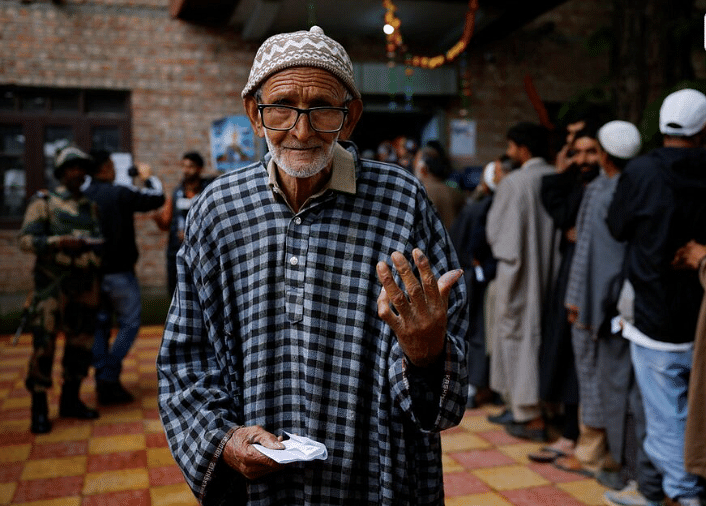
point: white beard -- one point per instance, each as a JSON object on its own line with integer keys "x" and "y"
{"x": 321, "y": 160}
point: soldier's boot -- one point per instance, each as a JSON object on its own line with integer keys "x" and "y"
{"x": 70, "y": 406}
{"x": 40, "y": 413}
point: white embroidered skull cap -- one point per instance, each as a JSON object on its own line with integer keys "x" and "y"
{"x": 310, "y": 48}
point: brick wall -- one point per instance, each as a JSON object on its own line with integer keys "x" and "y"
{"x": 182, "y": 77}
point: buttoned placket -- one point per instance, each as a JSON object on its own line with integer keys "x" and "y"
{"x": 296, "y": 246}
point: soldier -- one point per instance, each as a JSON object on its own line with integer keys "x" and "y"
{"x": 62, "y": 229}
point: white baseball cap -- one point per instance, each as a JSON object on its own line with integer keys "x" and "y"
{"x": 620, "y": 139}
{"x": 683, "y": 113}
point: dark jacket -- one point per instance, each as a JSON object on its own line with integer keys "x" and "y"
{"x": 658, "y": 206}
{"x": 116, "y": 205}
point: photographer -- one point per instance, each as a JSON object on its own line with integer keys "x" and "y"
{"x": 120, "y": 290}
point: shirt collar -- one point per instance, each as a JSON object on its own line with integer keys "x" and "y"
{"x": 342, "y": 173}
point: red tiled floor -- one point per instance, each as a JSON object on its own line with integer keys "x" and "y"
{"x": 116, "y": 429}
{"x": 499, "y": 437}
{"x": 11, "y": 471}
{"x": 541, "y": 496}
{"x": 17, "y": 438}
{"x": 156, "y": 440}
{"x": 476, "y": 459}
{"x": 50, "y": 488}
{"x": 127, "y": 498}
{"x": 165, "y": 476}
{"x": 127, "y": 463}
{"x": 456, "y": 484}
{"x": 60, "y": 449}
{"x": 116, "y": 461}
{"x": 553, "y": 474}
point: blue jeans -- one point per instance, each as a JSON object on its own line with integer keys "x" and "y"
{"x": 120, "y": 293}
{"x": 663, "y": 378}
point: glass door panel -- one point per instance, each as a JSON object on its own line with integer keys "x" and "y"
{"x": 12, "y": 172}
{"x": 55, "y": 138}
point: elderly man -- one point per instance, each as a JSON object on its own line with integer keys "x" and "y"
{"x": 278, "y": 324}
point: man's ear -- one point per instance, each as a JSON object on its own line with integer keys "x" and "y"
{"x": 250, "y": 105}
{"x": 355, "y": 110}
{"x": 525, "y": 153}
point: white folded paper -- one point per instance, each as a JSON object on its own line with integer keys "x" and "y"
{"x": 296, "y": 449}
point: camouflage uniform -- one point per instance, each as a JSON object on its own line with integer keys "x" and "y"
{"x": 66, "y": 285}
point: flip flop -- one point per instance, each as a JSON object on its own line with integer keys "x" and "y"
{"x": 558, "y": 453}
{"x": 543, "y": 456}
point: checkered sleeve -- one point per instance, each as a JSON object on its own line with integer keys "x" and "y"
{"x": 443, "y": 392}
{"x": 197, "y": 411}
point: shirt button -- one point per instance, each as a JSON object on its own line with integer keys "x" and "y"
{"x": 298, "y": 220}
{"x": 294, "y": 261}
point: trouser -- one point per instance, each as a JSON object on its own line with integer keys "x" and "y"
{"x": 73, "y": 313}
{"x": 625, "y": 415}
{"x": 663, "y": 378}
{"x": 120, "y": 293}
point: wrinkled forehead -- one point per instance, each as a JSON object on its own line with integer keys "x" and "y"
{"x": 304, "y": 83}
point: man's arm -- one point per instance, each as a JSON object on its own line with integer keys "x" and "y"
{"x": 430, "y": 328}
{"x": 199, "y": 410}
{"x": 150, "y": 195}
{"x": 632, "y": 199}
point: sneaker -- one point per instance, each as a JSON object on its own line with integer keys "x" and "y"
{"x": 690, "y": 501}
{"x": 611, "y": 479}
{"x": 629, "y": 496}
{"x": 112, "y": 392}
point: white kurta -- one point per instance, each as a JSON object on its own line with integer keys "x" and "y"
{"x": 522, "y": 237}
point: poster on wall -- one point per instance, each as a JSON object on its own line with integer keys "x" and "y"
{"x": 232, "y": 143}
{"x": 463, "y": 138}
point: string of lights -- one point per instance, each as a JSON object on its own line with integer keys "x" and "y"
{"x": 395, "y": 41}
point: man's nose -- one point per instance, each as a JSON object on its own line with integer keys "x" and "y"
{"x": 302, "y": 127}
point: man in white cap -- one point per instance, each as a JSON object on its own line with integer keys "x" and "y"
{"x": 659, "y": 206}
{"x": 278, "y": 325}
{"x": 595, "y": 267}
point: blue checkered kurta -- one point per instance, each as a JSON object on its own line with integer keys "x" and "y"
{"x": 274, "y": 322}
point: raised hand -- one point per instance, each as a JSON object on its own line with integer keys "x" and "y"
{"x": 419, "y": 316}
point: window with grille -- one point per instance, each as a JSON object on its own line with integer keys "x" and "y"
{"x": 35, "y": 122}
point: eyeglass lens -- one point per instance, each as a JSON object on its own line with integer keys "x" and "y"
{"x": 321, "y": 119}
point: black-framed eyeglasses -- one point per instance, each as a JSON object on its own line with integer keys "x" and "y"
{"x": 284, "y": 117}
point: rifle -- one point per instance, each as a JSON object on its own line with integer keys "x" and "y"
{"x": 29, "y": 308}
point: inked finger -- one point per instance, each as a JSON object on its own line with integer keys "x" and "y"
{"x": 396, "y": 296}
{"x": 429, "y": 284}
{"x": 411, "y": 283}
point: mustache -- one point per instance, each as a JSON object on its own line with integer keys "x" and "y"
{"x": 299, "y": 145}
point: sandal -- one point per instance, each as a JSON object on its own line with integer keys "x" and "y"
{"x": 543, "y": 456}
{"x": 546, "y": 455}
